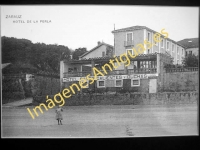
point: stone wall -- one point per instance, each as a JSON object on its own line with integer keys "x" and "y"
{"x": 43, "y": 85}
{"x": 179, "y": 81}
{"x": 127, "y": 99}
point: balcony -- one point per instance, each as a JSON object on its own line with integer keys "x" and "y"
{"x": 142, "y": 70}
{"x": 128, "y": 43}
{"x": 76, "y": 74}
{"x": 114, "y": 72}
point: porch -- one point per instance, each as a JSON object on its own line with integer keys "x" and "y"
{"x": 142, "y": 64}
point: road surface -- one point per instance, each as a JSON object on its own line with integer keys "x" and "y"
{"x": 102, "y": 121}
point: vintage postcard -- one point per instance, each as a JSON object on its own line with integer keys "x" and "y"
{"x": 99, "y": 71}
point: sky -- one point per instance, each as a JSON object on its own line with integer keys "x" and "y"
{"x": 78, "y": 26}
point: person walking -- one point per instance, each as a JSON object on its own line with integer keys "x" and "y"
{"x": 59, "y": 116}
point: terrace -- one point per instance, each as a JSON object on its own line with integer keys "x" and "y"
{"x": 142, "y": 64}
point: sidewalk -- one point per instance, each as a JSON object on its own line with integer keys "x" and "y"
{"x": 19, "y": 103}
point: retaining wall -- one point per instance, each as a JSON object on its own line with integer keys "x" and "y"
{"x": 127, "y": 99}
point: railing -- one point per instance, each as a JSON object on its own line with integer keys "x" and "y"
{"x": 142, "y": 70}
{"x": 113, "y": 72}
{"x": 117, "y": 72}
{"x": 189, "y": 69}
{"x": 76, "y": 74}
{"x": 128, "y": 43}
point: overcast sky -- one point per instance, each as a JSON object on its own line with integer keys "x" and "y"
{"x": 83, "y": 25}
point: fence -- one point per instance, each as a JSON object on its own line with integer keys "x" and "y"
{"x": 189, "y": 69}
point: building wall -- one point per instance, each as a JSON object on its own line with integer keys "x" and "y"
{"x": 96, "y": 53}
{"x": 195, "y": 51}
{"x": 120, "y": 38}
{"x": 139, "y": 36}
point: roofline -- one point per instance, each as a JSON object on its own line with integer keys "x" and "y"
{"x": 189, "y": 39}
{"x": 144, "y": 27}
{"x": 95, "y": 48}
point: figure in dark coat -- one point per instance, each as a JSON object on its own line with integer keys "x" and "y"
{"x": 59, "y": 116}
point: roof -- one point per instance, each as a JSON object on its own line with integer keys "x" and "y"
{"x": 96, "y": 48}
{"x": 140, "y": 28}
{"x": 190, "y": 43}
{"x": 4, "y": 65}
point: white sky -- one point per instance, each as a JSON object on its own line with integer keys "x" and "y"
{"x": 83, "y": 25}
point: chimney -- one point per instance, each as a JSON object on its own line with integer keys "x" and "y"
{"x": 98, "y": 43}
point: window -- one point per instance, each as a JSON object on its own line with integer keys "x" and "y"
{"x": 130, "y": 50}
{"x": 190, "y": 52}
{"x": 172, "y": 47}
{"x": 103, "y": 54}
{"x": 100, "y": 84}
{"x": 129, "y": 39}
{"x": 177, "y": 61}
{"x": 149, "y": 36}
{"x": 118, "y": 83}
{"x": 129, "y": 36}
{"x": 135, "y": 82}
{"x": 156, "y": 43}
{"x": 162, "y": 43}
{"x": 167, "y": 45}
{"x": 186, "y": 54}
{"x": 178, "y": 50}
{"x": 148, "y": 51}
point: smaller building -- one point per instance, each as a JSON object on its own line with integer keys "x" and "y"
{"x": 192, "y": 46}
{"x": 101, "y": 50}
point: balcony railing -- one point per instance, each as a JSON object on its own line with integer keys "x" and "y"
{"x": 117, "y": 72}
{"x": 128, "y": 43}
{"x": 113, "y": 72}
{"x": 189, "y": 69}
{"x": 76, "y": 74}
{"x": 142, "y": 70}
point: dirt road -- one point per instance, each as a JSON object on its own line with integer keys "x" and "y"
{"x": 102, "y": 121}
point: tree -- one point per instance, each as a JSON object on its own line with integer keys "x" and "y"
{"x": 78, "y": 52}
{"x": 191, "y": 61}
{"x": 41, "y": 56}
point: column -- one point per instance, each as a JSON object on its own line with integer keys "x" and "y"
{"x": 61, "y": 74}
{"x": 158, "y": 63}
{"x": 93, "y": 64}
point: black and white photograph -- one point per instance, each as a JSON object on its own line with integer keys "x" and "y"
{"x": 99, "y": 71}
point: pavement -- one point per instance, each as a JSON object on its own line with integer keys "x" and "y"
{"x": 102, "y": 121}
{"x": 19, "y": 103}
